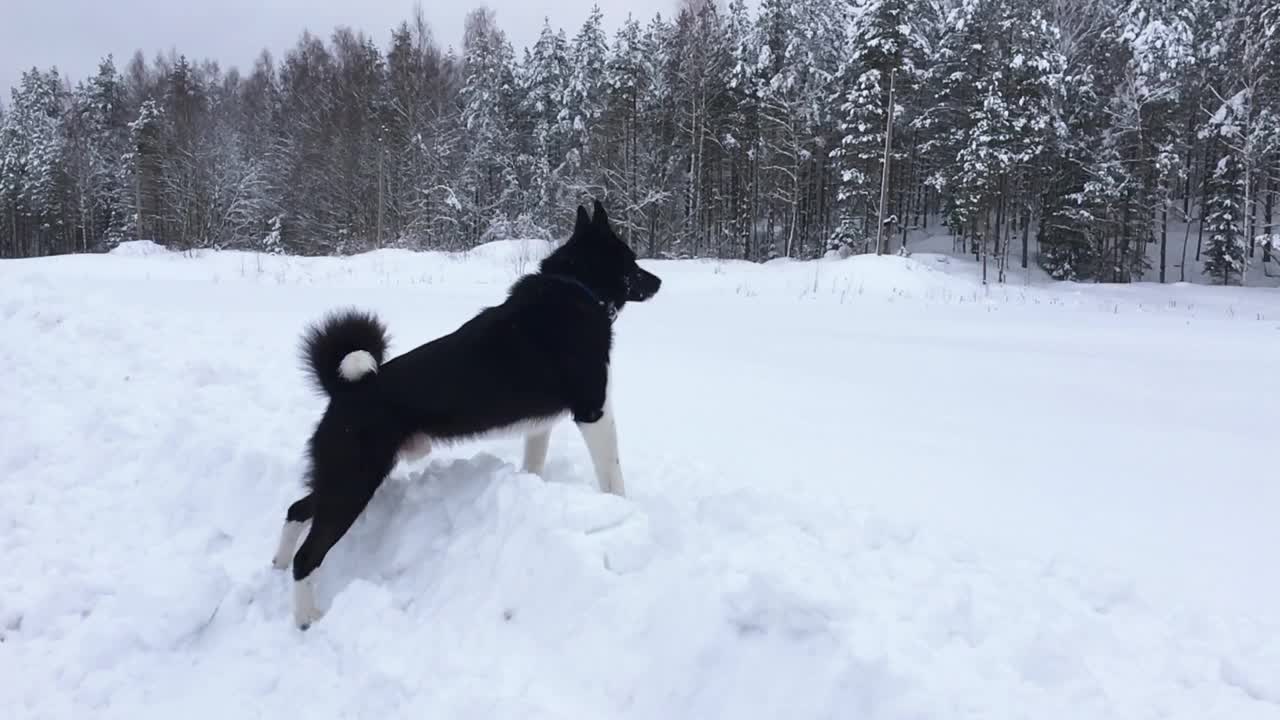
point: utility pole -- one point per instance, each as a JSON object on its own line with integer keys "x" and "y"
{"x": 884, "y": 174}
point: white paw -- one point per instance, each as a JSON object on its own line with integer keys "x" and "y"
{"x": 306, "y": 619}
{"x": 305, "y": 611}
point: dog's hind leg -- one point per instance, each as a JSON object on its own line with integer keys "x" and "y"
{"x": 297, "y": 516}
{"x": 601, "y": 436}
{"x": 535, "y": 451}
{"x": 334, "y": 515}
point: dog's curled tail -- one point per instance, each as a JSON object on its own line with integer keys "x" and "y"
{"x": 343, "y": 348}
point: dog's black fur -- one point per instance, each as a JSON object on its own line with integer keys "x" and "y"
{"x": 543, "y": 352}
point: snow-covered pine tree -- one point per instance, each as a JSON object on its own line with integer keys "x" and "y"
{"x": 8, "y": 188}
{"x": 238, "y": 208}
{"x": 1259, "y": 137}
{"x": 12, "y": 244}
{"x": 657, "y": 157}
{"x": 1244, "y": 131}
{"x": 98, "y": 127}
{"x": 582, "y": 106}
{"x": 1148, "y": 107}
{"x": 698, "y": 68}
{"x": 182, "y": 188}
{"x": 489, "y": 173}
{"x": 1086, "y": 224}
{"x": 143, "y": 162}
{"x": 1080, "y": 183}
{"x": 953, "y": 81}
{"x": 881, "y": 48}
{"x": 990, "y": 125}
{"x": 303, "y": 168}
{"x": 544, "y": 81}
{"x": 627, "y": 81}
{"x": 1225, "y": 243}
{"x": 742, "y": 138}
{"x": 436, "y": 209}
{"x": 78, "y": 166}
{"x": 33, "y": 170}
{"x": 360, "y": 153}
{"x": 800, "y": 53}
{"x": 409, "y": 69}
{"x": 1031, "y": 86}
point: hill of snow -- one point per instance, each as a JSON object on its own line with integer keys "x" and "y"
{"x": 864, "y": 488}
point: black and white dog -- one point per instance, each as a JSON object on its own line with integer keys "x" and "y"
{"x": 541, "y": 355}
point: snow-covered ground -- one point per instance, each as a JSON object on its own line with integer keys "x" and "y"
{"x": 867, "y": 488}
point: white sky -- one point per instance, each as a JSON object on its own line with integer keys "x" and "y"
{"x": 74, "y": 34}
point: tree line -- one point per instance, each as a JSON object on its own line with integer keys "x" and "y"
{"x": 1125, "y": 137}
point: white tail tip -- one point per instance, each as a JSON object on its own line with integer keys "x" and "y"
{"x": 356, "y": 365}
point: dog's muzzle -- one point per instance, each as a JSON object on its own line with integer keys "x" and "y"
{"x": 643, "y": 286}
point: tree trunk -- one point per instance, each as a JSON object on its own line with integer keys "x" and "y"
{"x": 1026, "y": 223}
{"x": 1186, "y": 181}
{"x": 1122, "y": 267}
{"x": 996, "y": 236}
{"x": 1268, "y": 227}
{"x": 1186, "y": 240}
{"x": 381, "y": 183}
{"x": 986, "y": 222}
{"x": 1164, "y": 238}
{"x": 885, "y": 170}
{"x": 1204, "y": 200}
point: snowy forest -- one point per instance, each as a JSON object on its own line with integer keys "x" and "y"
{"x": 1107, "y": 140}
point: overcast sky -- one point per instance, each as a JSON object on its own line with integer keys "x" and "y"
{"x": 74, "y": 34}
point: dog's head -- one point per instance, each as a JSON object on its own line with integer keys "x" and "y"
{"x": 597, "y": 257}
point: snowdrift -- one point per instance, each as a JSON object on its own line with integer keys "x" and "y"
{"x": 793, "y": 546}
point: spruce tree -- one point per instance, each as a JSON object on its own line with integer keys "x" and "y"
{"x": 544, "y": 80}
{"x": 491, "y": 192}
{"x": 582, "y": 106}
{"x": 1225, "y": 244}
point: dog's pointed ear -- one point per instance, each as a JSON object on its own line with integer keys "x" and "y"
{"x": 582, "y": 221}
{"x": 598, "y": 215}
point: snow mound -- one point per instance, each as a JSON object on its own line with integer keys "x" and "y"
{"x": 834, "y": 280}
{"x": 890, "y": 276}
{"x": 510, "y": 251}
{"x": 138, "y": 248}
{"x": 469, "y": 587}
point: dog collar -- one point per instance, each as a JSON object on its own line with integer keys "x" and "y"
{"x": 608, "y": 307}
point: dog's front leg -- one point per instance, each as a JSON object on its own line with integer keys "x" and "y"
{"x": 535, "y": 451}
{"x": 601, "y": 436}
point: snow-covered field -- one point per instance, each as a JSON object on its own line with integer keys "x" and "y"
{"x": 866, "y": 488}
